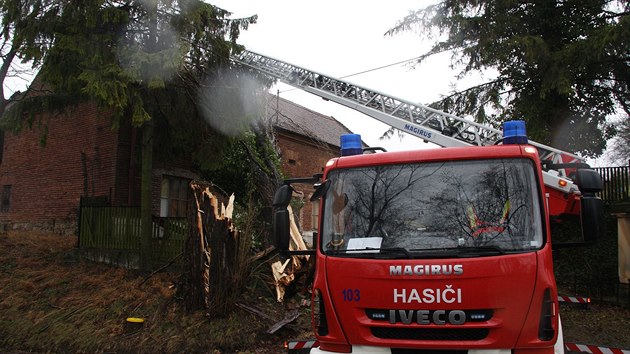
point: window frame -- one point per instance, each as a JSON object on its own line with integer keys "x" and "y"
{"x": 174, "y": 196}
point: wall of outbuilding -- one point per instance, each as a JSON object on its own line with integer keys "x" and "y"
{"x": 47, "y": 180}
{"x": 302, "y": 157}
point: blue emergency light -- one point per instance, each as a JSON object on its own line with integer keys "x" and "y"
{"x": 514, "y": 132}
{"x": 351, "y": 145}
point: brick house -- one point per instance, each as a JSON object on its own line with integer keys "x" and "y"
{"x": 307, "y": 140}
{"x": 41, "y": 187}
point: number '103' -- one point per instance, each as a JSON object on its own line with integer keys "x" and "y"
{"x": 351, "y": 294}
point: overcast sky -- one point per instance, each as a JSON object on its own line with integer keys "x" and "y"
{"x": 341, "y": 38}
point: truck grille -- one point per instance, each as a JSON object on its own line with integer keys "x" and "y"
{"x": 384, "y": 315}
{"x": 430, "y": 334}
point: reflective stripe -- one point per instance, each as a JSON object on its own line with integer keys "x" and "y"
{"x": 583, "y": 348}
{"x": 574, "y": 299}
{"x": 303, "y": 344}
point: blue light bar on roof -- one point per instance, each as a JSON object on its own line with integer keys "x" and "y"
{"x": 351, "y": 145}
{"x": 514, "y": 132}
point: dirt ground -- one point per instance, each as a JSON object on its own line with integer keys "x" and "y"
{"x": 51, "y": 300}
{"x": 599, "y": 324}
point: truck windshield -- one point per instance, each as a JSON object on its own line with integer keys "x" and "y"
{"x": 455, "y": 208}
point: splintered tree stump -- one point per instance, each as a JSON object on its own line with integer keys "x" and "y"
{"x": 214, "y": 257}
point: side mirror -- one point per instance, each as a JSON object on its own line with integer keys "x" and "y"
{"x": 592, "y": 207}
{"x": 588, "y": 181}
{"x": 592, "y": 218}
{"x": 281, "y": 232}
{"x": 280, "y": 218}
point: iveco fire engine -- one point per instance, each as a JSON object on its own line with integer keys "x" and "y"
{"x": 442, "y": 250}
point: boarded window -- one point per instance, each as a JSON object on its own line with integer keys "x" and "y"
{"x": 6, "y": 198}
{"x": 174, "y": 197}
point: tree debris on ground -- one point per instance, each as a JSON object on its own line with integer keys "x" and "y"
{"x": 284, "y": 272}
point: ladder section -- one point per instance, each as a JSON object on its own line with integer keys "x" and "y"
{"x": 441, "y": 128}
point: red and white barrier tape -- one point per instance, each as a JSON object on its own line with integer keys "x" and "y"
{"x": 582, "y": 348}
{"x": 304, "y": 344}
{"x": 574, "y": 299}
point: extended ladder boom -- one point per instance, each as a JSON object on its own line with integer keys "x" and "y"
{"x": 427, "y": 123}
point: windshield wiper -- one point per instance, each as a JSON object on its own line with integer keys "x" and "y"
{"x": 392, "y": 250}
{"x": 373, "y": 252}
{"x": 476, "y": 251}
{"x": 460, "y": 252}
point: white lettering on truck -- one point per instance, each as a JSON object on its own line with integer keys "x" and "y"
{"x": 448, "y": 295}
{"x": 439, "y": 317}
{"x": 426, "y": 269}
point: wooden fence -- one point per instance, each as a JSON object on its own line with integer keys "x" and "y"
{"x": 112, "y": 235}
{"x": 616, "y": 183}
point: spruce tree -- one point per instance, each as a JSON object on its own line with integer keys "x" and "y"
{"x": 142, "y": 61}
{"x": 563, "y": 66}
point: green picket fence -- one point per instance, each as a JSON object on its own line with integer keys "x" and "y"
{"x": 112, "y": 235}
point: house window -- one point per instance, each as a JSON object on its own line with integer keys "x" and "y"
{"x": 6, "y": 198}
{"x": 174, "y": 196}
{"x": 314, "y": 214}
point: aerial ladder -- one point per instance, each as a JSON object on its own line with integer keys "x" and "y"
{"x": 429, "y": 124}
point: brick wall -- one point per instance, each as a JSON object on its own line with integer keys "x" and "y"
{"x": 48, "y": 181}
{"x": 303, "y": 158}
{"x": 83, "y": 156}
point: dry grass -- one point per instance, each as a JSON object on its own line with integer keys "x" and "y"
{"x": 599, "y": 324}
{"x": 51, "y": 300}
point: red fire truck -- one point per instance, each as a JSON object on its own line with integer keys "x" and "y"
{"x": 436, "y": 251}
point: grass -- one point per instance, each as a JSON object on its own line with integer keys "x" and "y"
{"x": 52, "y": 300}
